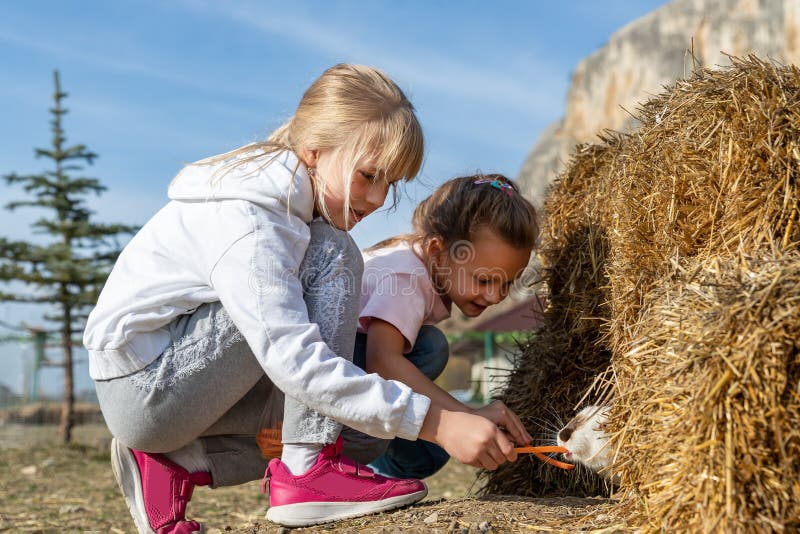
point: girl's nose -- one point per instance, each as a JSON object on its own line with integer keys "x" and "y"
{"x": 493, "y": 296}
{"x": 376, "y": 195}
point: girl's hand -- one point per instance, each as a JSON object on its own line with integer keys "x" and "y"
{"x": 469, "y": 438}
{"x": 502, "y": 416}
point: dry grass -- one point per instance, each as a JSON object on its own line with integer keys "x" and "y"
{"x": 47, "y": 489}
{"x": 671, "y": 260}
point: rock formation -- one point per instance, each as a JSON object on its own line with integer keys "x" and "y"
{"x": 650, "y": 53}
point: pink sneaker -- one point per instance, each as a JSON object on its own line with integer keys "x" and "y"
{"x": 156, "y": 490}
{"x": 334, "y": 488}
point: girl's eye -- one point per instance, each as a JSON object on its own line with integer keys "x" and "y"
{"x": 370, "y": 177}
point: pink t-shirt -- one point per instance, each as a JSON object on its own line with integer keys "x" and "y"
{"x": 396, "y": 288}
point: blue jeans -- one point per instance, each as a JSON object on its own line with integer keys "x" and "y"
{"x": 403, "y": 458}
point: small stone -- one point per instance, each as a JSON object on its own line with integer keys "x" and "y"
{"x": 465, "y": 530}
{"x": 283, "y": 530}
{"x": 29, "y": 470}
{"x": 484, "y": 526}
{"x": 433, "y": 518}
{"x": 70, "y": 509}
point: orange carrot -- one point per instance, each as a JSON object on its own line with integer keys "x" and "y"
{"x": 539, "y": 453}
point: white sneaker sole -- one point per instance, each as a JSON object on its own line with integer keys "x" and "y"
{"x": 313, "y": 513}
{"x": 126, "y": 472}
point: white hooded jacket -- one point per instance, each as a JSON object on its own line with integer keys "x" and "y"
{"x": 238, "y": 236}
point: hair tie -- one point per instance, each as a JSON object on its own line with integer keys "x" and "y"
{"x": 506, "y": 187}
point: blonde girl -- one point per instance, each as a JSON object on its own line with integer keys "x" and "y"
{"x": 235, "y": 307}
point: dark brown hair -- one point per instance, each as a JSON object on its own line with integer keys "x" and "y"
{"x": 460, "y": 207}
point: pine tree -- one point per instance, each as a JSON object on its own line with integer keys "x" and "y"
{"x": 67, "y": 273}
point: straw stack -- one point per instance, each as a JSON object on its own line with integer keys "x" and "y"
{"x": 708, "y": 387}
{"x": 563, "y": 357}
{"x": 691, "y": 283}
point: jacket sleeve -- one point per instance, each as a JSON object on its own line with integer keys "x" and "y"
{"x": 258, "y": 283}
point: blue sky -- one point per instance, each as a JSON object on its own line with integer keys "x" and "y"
{"x": 155, "y": 84}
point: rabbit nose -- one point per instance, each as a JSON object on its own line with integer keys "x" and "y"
{"x": 565, "y": 434}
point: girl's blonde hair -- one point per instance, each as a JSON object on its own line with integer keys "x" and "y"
{"x": 356, "y": 112}
{"x": 460, "y": 207}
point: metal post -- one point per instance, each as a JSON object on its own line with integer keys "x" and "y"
{"x": 488, "y": 352}
{"x": 39, "y": 340}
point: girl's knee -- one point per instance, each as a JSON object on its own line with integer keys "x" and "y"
{"x": 332, "y": 261}
{"x": 435, "y": 339}
{"x": 433, "y": 343}
{"x": 323, "y": 232}
{"x": 330, "y": 245}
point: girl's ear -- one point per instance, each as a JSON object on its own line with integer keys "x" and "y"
{"x": 434, "y": 249}
{"x": 309, "y": 156}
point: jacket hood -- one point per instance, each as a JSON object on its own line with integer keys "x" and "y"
{"x": 275, "y": 180}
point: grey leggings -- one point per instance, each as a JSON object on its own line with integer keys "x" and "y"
{"x": 208, "y": 384}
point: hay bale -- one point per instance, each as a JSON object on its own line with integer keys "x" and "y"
{"x": 561, "y": 360}
{"x": 712, "y": 171}
{"x": 671, "y": 253}
{"x": 707, "y": 405}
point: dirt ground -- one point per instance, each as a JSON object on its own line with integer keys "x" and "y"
{"x": 45, "y": 488}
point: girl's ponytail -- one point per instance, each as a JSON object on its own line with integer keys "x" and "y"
{"x": 459, "y": 207}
